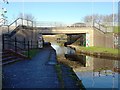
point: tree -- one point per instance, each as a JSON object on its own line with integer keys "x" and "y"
{"x": 3, "y": 11}
{"x": 91, "y": 18}
{"x": 103, "y": 19}
{"x": 26, "y": 16}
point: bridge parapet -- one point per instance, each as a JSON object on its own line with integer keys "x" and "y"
{"x": 102, "y": 28}
{"x": 65, "y": 30}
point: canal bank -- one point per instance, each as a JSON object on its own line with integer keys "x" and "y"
{"x": 66, "y": 75}
{"x": 93, "y": 72}
{"x": 100, "y": 54}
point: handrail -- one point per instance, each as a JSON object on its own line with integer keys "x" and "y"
{"x": 13, "y": 22}
{"x": 20, "y": 19}
{"x": 100, "y": 27}
{"x": 101, "y": 24}
{"x": 18, "y": 45}
{"x": 22, "y": 23}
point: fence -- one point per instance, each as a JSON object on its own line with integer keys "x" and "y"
{"x": 17, "y": 45}
{"x": 16, "y": 23}
{"x": 100, "y": 27}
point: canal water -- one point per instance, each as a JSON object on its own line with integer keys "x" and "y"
{"x": 94, "y": 72}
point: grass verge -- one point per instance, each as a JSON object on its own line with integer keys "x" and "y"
{"x": 69, "y": 64}
{"x": 32, "y": 53}
{"x": 116, "y": 29}
{"x": 99, "y": 49}
{"x": 59, "y": 75}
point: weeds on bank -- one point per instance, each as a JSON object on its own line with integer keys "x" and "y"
{"x": 100, "y": 49}
{"x": 32, "y": 53}
{"x": 59, "y": 75}
{"x": 69, "y": 64}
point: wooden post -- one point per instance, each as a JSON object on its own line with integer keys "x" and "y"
{"x": 15, "y": 44}
{"x": 28, "y": 50}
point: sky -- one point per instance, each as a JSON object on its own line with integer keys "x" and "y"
{"x": 64, "y": 12}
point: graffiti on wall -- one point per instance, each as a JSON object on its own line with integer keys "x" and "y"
{"x": 87, "y": 39}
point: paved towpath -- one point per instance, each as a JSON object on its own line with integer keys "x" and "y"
{"x": 35, "y": 73}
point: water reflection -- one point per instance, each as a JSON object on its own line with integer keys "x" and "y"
{"x": 61, "y": 50}
{"x": 99, "y": 73}
{"x": 95, "y": 72}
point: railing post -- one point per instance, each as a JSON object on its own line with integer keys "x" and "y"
{"x": 28, "y": 50}
{"x": 3, "y": 43}
{"x": 24, "y": 43}
{"x": 31, "y": 44}
{"x": 15, "y": 44}
{"x": 22, "y": 20}
{"x": 93, "y": 23}
{"x": 8, "y": 30}
{"x": 27, "y": 23}
{"x": 32, "y": 23}
{"x": 16, "y": 23}
{"x": 37, "y": 45}
{"x": 99, "y": 26}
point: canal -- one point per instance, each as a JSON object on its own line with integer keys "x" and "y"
{"x": 94, "y": 72}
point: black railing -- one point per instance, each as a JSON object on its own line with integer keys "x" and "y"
{"x": 19, "y": 46}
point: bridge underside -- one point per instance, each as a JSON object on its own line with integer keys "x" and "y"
{"x": 79, "y": 39}
{"x": 73, "y": 34}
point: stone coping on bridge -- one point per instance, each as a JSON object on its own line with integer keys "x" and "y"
{"x": 66, "y": 30}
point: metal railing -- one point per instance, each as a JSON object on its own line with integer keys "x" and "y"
{"x": 19, "y": 22}
{"x": 100, "y": 27}
{"x": 15, "y": 24}
{"x": 19, "y": 46}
